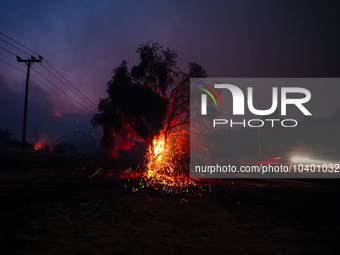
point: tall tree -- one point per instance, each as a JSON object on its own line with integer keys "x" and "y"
{"x": 151, "y": 99}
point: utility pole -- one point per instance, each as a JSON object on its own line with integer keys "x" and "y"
{"x": 29, "y": 63}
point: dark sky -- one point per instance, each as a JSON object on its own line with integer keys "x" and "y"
{"x": 84, "y": 40}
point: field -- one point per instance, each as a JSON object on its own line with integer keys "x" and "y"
{"x": 53, "y": 207}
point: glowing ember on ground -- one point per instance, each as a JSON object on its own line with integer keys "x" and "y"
{"x": 164, "y": 171}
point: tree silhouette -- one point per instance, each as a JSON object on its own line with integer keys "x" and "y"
{"x": 152, "y": 98}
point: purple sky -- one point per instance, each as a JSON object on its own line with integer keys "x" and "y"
{"x": 84, "y": 40}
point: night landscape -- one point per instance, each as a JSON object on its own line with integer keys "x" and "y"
{"x": 99, "y": 91}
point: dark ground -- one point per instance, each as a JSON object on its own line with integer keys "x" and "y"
{"x": 53, "y": 207}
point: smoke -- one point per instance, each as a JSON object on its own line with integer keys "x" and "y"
{"x": 44, "y": 122}
{"x": 39, "y": 113}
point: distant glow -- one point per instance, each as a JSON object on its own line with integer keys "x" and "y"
{"x": 42, "y": 145}
{"x": 306, "y": 160}
{"x": 301, "y": 160}
{"x": 57, "y": 113}
{"x": 37, "y": 146}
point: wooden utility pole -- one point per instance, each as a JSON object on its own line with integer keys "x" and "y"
{"x": 29, "y": 63}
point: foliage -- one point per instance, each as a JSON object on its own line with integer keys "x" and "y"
{"x": 151, "y": 99}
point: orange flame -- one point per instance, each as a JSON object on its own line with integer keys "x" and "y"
{"x": 158, "y": 147}
{"x": 42, "y": 145}
{"x": 163, "y": 170}
{"x": 37, "y": 146}
{"x": 155, "y": 156}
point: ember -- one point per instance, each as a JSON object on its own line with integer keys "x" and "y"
{"x": 164, "y": 171}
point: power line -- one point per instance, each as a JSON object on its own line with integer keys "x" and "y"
{"x": 84, "y": 107}
{"x": 71, "y": 85}
{"x": 85, "y": 98}
{"x": 19, "y": 43}
{"x": 8, "y": 51}
{"x": 41, "y": 82}
{"x": 58, "y": 93}
{"x": 63, "y": 92}
{"x": 89, "y": 102}
{"x": 15, "y": 46}
{"x": 12, "y": 65}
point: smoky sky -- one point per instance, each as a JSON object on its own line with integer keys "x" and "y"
{"x": 12, "y": 110}
{"x": 43, "y": 122}
{"x": 85, "y": 40}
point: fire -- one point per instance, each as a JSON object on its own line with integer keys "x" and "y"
{"x": 42, "y": 145}
{"x": 162, "y": 168}
{"x": 158, "y": 148}
{"x": 37, "y": 146}
{"x": 165, "y": 172}
{"x": 155, "y": 156}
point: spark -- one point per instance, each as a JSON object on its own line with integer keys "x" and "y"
{"x": 95, "y": 173}
{"x": 164, "y": 172}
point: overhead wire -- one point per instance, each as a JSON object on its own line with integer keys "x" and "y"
{"x": 12, "y": 66}
{"x": 85, "y": 97}
{"x": 70, "y": 86}
{"x": 84, "y": 107}
{"x": 19, "y": 43}
{"x": 15, "y": 46}
{"x": 62, "y": 82}
{"x": 62, "y": 94}
{"x": 8, "y": 51}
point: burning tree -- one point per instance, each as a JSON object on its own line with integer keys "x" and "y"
{"x": 150, "y": 102}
